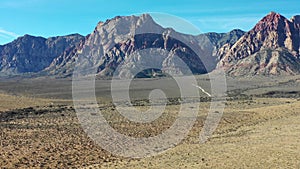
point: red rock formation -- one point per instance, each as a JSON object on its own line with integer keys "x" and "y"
{"x": 273, "y": 37}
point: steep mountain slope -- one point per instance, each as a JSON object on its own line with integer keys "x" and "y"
{"x": 33, "y": 54}
{"x": 220, "y": 39}
{"x": 121, "y": 37}
{"x": 271, "y": 48}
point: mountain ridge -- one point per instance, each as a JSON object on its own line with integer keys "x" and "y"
{"x": 273, "y": 32}
{"x": 271, "y": 47}
{"x": 33, "y": 53}
{"x": 120, "y": 37}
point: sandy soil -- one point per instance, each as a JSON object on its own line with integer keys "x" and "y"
{"x": 269, "y": 139}
{"x": 259, "y": 128}
{"x": 253, "y": 133}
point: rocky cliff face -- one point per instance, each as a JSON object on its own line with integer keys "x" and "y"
{"x": 33, "y": 54}
{"x": 270, "y": 48}
{"x": 119, "y": 38}
{"x": 221, "y": 39}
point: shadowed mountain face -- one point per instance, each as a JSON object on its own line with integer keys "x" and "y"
{"x": 159, "y": 48}
{"x": 220, "y": 39}
{"x": 108, "y": 46}
{"x": 270, "y": 48}
{"x": 119, "y": 38}
{"x": 33, "y": 54}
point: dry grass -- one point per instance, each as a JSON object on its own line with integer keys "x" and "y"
{"x": 253, "y": 133}
{"x": 261, "y": 133}
{"x": 14, "y": 102}
{"x": 264, "y": 137}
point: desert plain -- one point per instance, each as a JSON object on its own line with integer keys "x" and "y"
{"x": 260, "y": 126}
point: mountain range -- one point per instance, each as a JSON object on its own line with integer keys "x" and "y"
{"x": 272, "y": 47}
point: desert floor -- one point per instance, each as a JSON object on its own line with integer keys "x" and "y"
{"x": 260, "y": 128}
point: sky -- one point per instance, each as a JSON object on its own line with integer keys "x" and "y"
{"x": 61, "y": 17}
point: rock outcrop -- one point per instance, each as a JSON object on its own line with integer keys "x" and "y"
{"x": 116, "y": 41}
{"x": 33, "y": 54}
{"x": 271, "y": 48}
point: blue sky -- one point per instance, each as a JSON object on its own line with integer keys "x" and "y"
{"x": 60, "y": 17}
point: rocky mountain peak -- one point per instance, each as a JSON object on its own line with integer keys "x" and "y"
{"x": 123, "y": 24}
{"x": 28, "y": 38}
{"x": 118, "y": 38}
{"x": 272, "y": 22}
{"x": 296, "y": 20}
{"x": 121, "y": 28}
{"x": 273, "y": 31}
{"x": 254, "y": 50}
{"x": 271, "y": 47}
{"x": 33, "y": 54}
